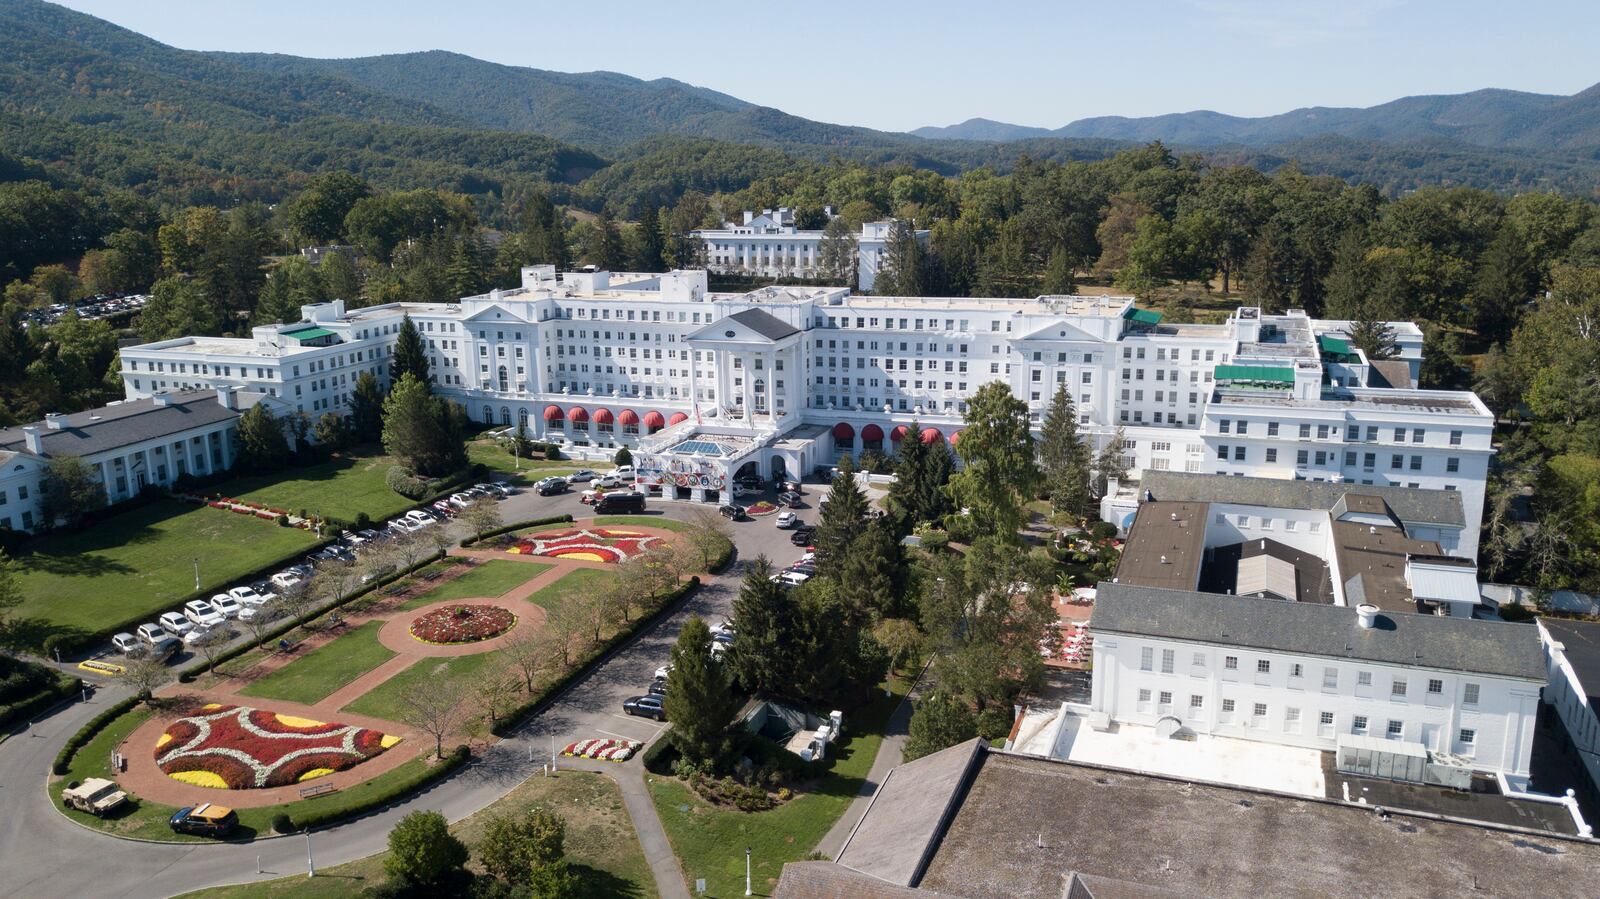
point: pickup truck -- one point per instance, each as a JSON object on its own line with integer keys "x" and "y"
{"x": 97, "y": 796}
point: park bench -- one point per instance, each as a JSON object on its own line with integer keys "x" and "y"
{"x": 318, "y": 790}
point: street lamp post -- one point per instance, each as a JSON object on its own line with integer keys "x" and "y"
{"x": 311, "y": 865}
{"x": 197, "y": 573}
{"x": 747, "y": 890}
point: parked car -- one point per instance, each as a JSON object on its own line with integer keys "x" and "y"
{"x": 663, "y": 671}
{"x": 460, "y": 500}
{"x": 286, "y": 580}
{"x": 749, "y": 481}
{"x": 658, "y": 687}
{"x": 205, "y": 820}
{"x": 552, "y": 486}
{"x": 226, "y": 605}
{"x": 618, "y": 503}
{"x": 352, "y": 539}
{"x": 790, "y": 578}
{"x": 609, "y": 481}
{"x": 731, "y": 512}
{"x": 803, "y": 536}
{"x": 370, "y": 535}
{"x": 422, "y": 517}
{"x": 161, "y": 650}
{"x": 151, "y": 634}
{"x": 97, "y": 796}
{"x": 128, "y": 644}
{"x": 443, "y": 508}
{"x": 175, "y": 623}
{"x": 624, "y": 473}
{"x": 791, "y": 499}
{"x": 581, "y": 476}
{"x": 787, "y": 520}
{"x": 645, "y": 707}
{"x": 200, "y": 634}
{"x": 265, "y": 611}
{"x": 497, "y": 488}
{"x": 250, "y": 596}
{"x": 805, "y": 568}
{"x": 202, "y": 613}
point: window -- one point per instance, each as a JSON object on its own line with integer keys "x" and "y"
{"x": 1147, "y": 658}
{"x": 1452, "y": 464}
{"x": 1263, "y": 666}
{"x": 1396, "y": 730}
{"x": 1397, "y": 687}
{"x": 1144, "y": 695}
{"x": 1435, "y": 686}
{"x": 1196, "y": 701}
{"x": 1363, "y": 678}
{"x": 1227, "y": 707}
{"x": 1295, "y": 670}
{"x": 1199, "y": 660}
{"x": 1166, "y": 697}
{"x": 1291, "y": 720}
{"x": 1467, "y": 737}
{"x": 1167, "y": 658}
{"x": 1272, "y": 454}
{"x": 1358, "y": 724}
{"x": 1260, "y": 710}
{"x": 1469, "y": 694}
{"x": 1325, "y": 719}
{"x": 1330, "y": 678}
{"x": 1230, "y": 663}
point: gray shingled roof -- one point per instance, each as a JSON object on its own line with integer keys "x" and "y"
{"x": 764, "y": 323}
{"x": 128, "y": 422}
{"x": 903, "y": 823}
{"x": 1410, "y": 504}
{"x": 826, "y": 880}
{"x": 1398, "y": 638}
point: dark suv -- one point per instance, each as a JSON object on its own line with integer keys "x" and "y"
{"x": 618, "y": 503}
{"x": 645, "y": 707}
{"x": 803, "y": 536}
{"x": 204, "y": 820}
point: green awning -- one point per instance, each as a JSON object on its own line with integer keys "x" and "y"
{"x": 1142, "y": 316}
{"x": 1259, "y": 374}
{"x": 309, "y": 334}
{"x": 1333, "y": 345}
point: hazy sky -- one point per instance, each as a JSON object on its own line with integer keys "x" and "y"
{"x": 900, "y": 65}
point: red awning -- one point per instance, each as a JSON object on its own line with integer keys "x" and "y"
{"x": 552, "y": 413}
{"x": 898, "y": 433}
{"x": 602, "y": 416}
{"x": 871, "y": 433}
{"x": 676, "y": 418}
{"x": 654, "y": 420}
{"x": 843, "y": 431}
{"x": 578, "y": 414}
{"x": 955, "y": 437}
{"x": 931, "y": 435}
{"x": 628, "y": 417}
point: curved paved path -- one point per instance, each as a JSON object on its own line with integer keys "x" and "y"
{"x": 42, "y": 853}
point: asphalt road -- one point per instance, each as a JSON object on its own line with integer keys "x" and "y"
{"x": 43, "y": 854}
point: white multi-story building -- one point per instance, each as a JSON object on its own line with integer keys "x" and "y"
{"x": 1572, "y": 657}
{"x": 1454, "y": 693}
{"x": 795, "y": 376}
{"x": 768, "y": 245}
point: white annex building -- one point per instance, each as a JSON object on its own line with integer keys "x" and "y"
{"x": 768, "y": 245}
{"x": 784, "y": 379}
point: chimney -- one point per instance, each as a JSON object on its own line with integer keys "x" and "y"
{"x": 227, "y": 398}
{"x": 1366, "y": 615}
{"x": 748, "y": 216}
{"x": 161, "y": 399}
{"x": 30, "y": 436}
{"x": 54, "y": 420}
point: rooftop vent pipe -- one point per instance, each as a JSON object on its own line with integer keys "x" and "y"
{"x": 1366, "y": 615}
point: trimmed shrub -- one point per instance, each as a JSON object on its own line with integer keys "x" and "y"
{"x": 86, "y": 733}
{"x": 336, "y": 810}
{"x": 405, "y": 483}
{"x": 54, "y": 689}
{"x": 281, "y": 823}
{"x": 517, "y": 526}
{"x": 662, "y": 755}
{"x": 1103, "y": 530}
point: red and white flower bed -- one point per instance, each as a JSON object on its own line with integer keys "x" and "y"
{"x": 594, "y": 545}
{"x": 603, "y": 750}
{"x": 760, "y": 508}
{"x": 238, "y": 748}
{"x": 462, "y": 624}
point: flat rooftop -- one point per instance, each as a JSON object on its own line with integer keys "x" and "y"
{"x": 1438, "y": 401}
{"x": 1374, "y": 558}
{"x": 1024, "y": 824}
{"x": 1165, "y": 547}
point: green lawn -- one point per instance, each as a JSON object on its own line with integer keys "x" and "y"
{"x": 339, "y": 488}
{"x": 599, "y": 842}
{"x": 148, "y": 820}
{"x": 707, "y": 840}
{"x": 140, "y": 563}
{"x": 578, "y": 580}
{"x": 487, "y": 579}
{"x": 649, "y": 521}
{"x": 523, "y": 471}
{"x": 316, "y": 675}
{"x": 387, "y": 700}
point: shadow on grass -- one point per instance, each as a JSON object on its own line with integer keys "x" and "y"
{"x": 594, "y": 883}
{"x": 82, "y": 564}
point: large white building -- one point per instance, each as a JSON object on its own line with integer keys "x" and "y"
{"x": 1572, "y": 657}
{"x": 768, "y": 245}
{"x": 788, "y": 378}
{"x": 1449, "y": 693}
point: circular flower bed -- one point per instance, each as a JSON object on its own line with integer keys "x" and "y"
{"x": 237, "y": 748}
{"x": 592, "y": 545}
{"x": 761, "y": 508}
{"x": 462, "y": 624}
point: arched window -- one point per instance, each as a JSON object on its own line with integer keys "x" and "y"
{"x": 488, "y": 414}
{"x": 505, "y": 415}
{"x": 522, "y": 418}
{"x": 505, "y": 380}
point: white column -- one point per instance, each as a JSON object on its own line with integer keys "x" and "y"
{"x": 749, "y": 387}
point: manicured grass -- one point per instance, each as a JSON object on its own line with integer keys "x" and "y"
{"x": 487, "y": 579}
{"x": 707, "y": 840}
{"x": 339, "y": 488}
{"x": 578, "y": 580}
{"x": 387, "y": 700}
{"x": 139, "y": 563}
{"x": 599, "y": 843}
{"x": 316, "y": 675}
{"x": 649, "y": 521}
{"x": 524, "y": 471}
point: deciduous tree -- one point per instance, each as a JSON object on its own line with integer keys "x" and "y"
{"x": 422, "y": 851}
{"x": 999, "y": 475}
{"x": 70, "y": 491}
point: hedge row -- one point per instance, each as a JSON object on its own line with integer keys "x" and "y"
{"x": 189, "y": 674}
{"x": 74, "y": 642}
{"x": 535, "y": 704}
{"x": 65, "y": 685}
{"x": 508, "y": 528}
{"x": 98, "y": 723}
{"x": 336, "y": 811}
{"x": 658, "y": 759}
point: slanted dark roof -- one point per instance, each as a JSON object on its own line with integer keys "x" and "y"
{"x": 1372, "y": 562}
{"x": 1220, "y": 574}
{"x": 128, "y": 422}
{"x": 826, "y": 880}
{"x": 1411, "y": 505}
{"x": 1394, "y": 374}
{"x": 764, "y": 323}
{"x": 1165, "y": 546}
{"x": 1580, "y": 642}
{"x": 1399, "y": 638}
{"x": 895, "y": 838}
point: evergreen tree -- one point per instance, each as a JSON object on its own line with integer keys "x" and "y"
{"x": 902, "y": 267}
{"x": 1109, "y": 464}
{"x": 921, "y": 472}
{"x": 467, "y": 272}
{"x": 646, "y": 245}
{"x": 1348, "y": 280}
{"x": 424, "y": 432}
{"x": 764, "y": 633}
{"x": 410, "y": 357}
{"x": 605, "y": 250}
{"x": 178, "y": 308}
{"x": 699, "y": 700}
{"x": 1061, "y": 273}
{"x": 1503, "y": 282}
{"x": 1373, "y": 337}
{"x": 999, "y": 475}
{"x": 366, "y": 409}
{"x": 340, "y": 278}
{"x": 1063, "y": 458}
{"x": 331, "y": 432}
{"x": 871, "y": 579}
{"x": 836, "y": 254}
{"x": 843, "y": 520}
{"x": 544, "y": 233}
{"x": 262, "y": 444}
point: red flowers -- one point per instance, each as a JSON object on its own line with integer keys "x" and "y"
{"x": 597, "y": 545}
{"x": 238, "y": 748}
{"x": 462, "y": 624}
{"x": 760, "y": 508}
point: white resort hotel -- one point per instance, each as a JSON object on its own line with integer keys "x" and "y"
{"x": 782, "y": 380}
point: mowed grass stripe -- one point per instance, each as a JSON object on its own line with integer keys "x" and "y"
{"x": 387, "y": 700}
{"x": 316, "y": 675}
{"x": 573, "y": 583}
{"x": 487, "y": 579}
